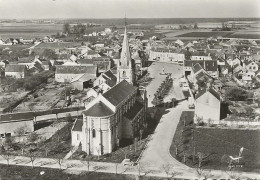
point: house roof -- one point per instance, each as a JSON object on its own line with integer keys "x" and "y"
{"x": 76, "y": 69}
{"x": 210, "y": 90}
{"x": 197, "y": 67}
{"x": 110, "y": 78}
{"x": 78, "y": 125}
{"x": 83, "y": 77}
{"x": 119, "y": 92}
{"x": 17, "y": 116}
{"x": 15, "y": 68}
{"x": 210, "y": 65}
{"x": 85, "y": 61}
{"x": 98, "y": 110}
{"x": 130, "y": 114}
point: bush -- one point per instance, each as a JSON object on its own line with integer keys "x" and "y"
{"x": 236, "y": 94}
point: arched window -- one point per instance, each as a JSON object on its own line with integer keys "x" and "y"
{"x": 93, "y": 133}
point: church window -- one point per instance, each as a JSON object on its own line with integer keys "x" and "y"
{"x": 77, "y": 136}
{"x": 93, "y": 133}
{"x": 124, "y": 74}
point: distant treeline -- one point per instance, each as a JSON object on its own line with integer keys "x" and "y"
{"x": 155, "y": 21}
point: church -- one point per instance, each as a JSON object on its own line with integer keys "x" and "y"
{"x": 114, "y": 116}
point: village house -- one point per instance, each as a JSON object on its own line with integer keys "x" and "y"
{"x": 166, "y": 55}
{"x": 16, "y": 71}
{"x": 210, "y": 66}
{"x": 207, "y": 106}
{"x": 105, "y": 81}
{"x": 250, "y": 66}
{"x": 68, "y": 73}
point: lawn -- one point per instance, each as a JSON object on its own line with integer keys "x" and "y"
{"x": 228, "y": 142}
{"x": 215, "y": 144}
{"x": 206, "y": 34}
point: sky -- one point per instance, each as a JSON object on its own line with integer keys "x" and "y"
{"x": 33, "y": 9}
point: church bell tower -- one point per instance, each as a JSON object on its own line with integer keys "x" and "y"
{"x": 124, "y": 66}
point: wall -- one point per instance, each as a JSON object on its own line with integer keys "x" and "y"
{"x": 15, "y": 74}
{"x": 207, "y": 107}
{"x": 74, "y": 138}
{"x": 13, "y": 126}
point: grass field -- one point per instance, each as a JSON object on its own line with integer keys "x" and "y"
{"x": 217, "y": 143}
{"x": 228, "y": 142}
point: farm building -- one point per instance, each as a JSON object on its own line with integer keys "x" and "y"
{"x": 9, "y": 123}
{"x": 68, "y": 73}
{"x": 16, "y": 70}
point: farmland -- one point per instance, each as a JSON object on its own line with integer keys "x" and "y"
{"x": 206, "y": 34}
{"x": 28, "y": 30}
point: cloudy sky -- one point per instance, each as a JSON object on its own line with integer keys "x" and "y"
{"x": 133, "y": 8}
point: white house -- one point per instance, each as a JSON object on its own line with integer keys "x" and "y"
{"x": 207, "y": 106}
{"x": 16, "y": 70}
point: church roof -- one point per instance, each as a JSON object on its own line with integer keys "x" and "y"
{"x": 78, "y": 125}
{"x": 98, "y": 110}
{"x": 119, "y": 92}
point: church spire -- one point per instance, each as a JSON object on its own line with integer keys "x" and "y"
{"x": 125, "y": 53}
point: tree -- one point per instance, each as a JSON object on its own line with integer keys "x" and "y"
{"x": 166, "y": 168}
{"x": 49, "y": 54}
{"x": 32, "y": 157}
{"x": 195, "y": 26}
{"x": 203, "y": 173}
{"x": 59, "y": 160}
{"x": 33, "y": 137}
{"x": 20, "y": 132}
{"x": 236, "y": 94}
{"x": 66, "y": 28}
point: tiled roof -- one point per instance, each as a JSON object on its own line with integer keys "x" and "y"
{"x": 85, "y": 61}
{"x": 210, "y": 90}
{"x": 76, "y": 69}
{"x": 15, "y": 68}
{"x": 98, "y": 110}
{"x": 197, "y": 67}
{"x": 119, "y": 92}
{"x": 131, "y": 113}
{"x": 78, "y": 125}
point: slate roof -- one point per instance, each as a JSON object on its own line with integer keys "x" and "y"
{"x": 17, "y": 117}
{"x": 15, "y": 68}
{"x": 98, "y": 110}
{"x": 110, "y": 78}
{"x": 211, "y": 90}
{"x": 131, "y": 113}
{"x": 210, "y": 65}
{"x": 119, "y": 92}
{"x": 76, "y": 69}
{"x": 78, "y": 125}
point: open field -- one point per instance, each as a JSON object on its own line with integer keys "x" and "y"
{"x": 245, "y": 35}
{"x": 28, "y": 30}
{"x": 206, "y": 34}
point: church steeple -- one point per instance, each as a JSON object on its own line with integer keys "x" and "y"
{"x": 125, "y": 71}
{"x": 125, "y": 59}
